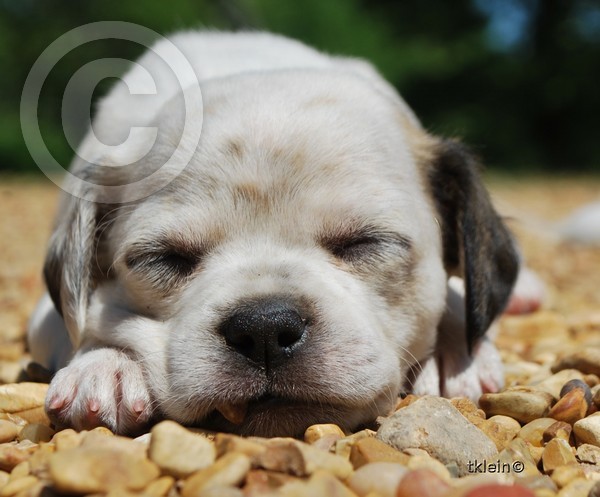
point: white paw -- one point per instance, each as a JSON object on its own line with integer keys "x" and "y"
{"x": 452, "y": 373}
{"x": 101, "y": 387}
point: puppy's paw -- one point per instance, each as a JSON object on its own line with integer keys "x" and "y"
{"x": 528, "y": 295}
{"x": 452, "y": 373}
{"x": 101, "y": 387}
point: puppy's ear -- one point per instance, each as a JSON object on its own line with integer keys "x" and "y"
{"x": 477, "y": 245}
{"x": 68, "y": 265}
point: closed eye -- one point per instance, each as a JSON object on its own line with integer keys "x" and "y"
{"x": 366, "y": 244}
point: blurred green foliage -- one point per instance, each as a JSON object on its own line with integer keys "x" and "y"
{"x": 517, "y": 79}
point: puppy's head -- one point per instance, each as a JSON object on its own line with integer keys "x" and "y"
{"x": 296, "y": 270}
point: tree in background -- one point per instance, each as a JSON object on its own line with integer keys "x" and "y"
{"x": 516, "y": 78}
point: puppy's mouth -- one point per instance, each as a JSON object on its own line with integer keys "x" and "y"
{"x": 271, "y": 415}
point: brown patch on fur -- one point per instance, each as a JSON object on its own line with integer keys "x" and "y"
{"x": 253, "y": 194}
{"x": 234, "y": 148}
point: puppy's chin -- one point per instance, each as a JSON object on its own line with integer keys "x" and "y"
{"x": 278, "y": 417}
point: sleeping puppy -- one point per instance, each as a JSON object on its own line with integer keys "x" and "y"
{"x": 294, "y": 272}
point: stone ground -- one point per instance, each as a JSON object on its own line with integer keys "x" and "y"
{"x": 537, "y": 438}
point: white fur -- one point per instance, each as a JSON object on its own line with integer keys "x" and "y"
{"x": 323, "y": 136}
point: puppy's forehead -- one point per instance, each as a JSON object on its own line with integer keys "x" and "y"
{"x": 295, "y": 145}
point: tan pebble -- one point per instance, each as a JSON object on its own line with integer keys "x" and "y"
{"x": 36, "y": 433}
{"x": 99, "y": 440}
{"x": 544, "y": 492}
{"x": 11, "y": 350}
{"x": 406, "y": 401}
{"x": 370, "y": 450}
{"x": 8, "y": 431}
{"x": 324, "y": 484}
{"x": 11, "y": 455}
{"x": 587, "y": 430}
{"x": 177, "y": 451}
{"x": 220, "y": 491}
{"x": 90, "y": 470}
{"x": 18, "y": 397}
{"x": 316, "y": 432}
{"x": 536, "y": 453}
{"x": 553, "y": 384}
{"x": 430, "y": 464}
{"x": 261, "y": 482}
{"x": 563, "y": 475}
{"x": 66, "y": 439}
{"x": 4, "y": 477}
{"x": 229, "y": 470}
{"x": 586, "y": 360}
{"x": 159, "y": 487}
{"x": 519, "y": 450}
{"x": 571, "y": 407}
{"x": 588, "y": 453}
{"x": 521, "y": 403}
{"x": 13, "y": 487}
{"x": 225, "y": 443}
{"x": 102, "y": 430}
{"x": 146, "y": 438}
{"x": 36, "y": 415}
{"x": 300, "y": 459}
{"x": 413, "y": 451}
{"x": 577, "y": 488}
{"x": 537, "y": 483}
{"x": 591, "y": 380}
{"x": 379, "y": 477}
{"x": 20, "y": 470}
{"x": 422, "y": 483}
{"x": 500, "y": 429}
{"x": 469, "y": 410}
{"x": 326, "y": 443}
{"x": 343, "y": 446}
{"x": 557, "y": 453}
{"x": 40, "y": 460}
{"x": 533, "y": 432}
{"x": 560, "y": 429}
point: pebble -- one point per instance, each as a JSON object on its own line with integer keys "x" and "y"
{"x": 260, "y": 482}
{"x": 500, "y": 491}
{"x": 587, "y": 430}
{"x": 469, "y": 410}
{"x": 560, "y": 429}
{"x": 8, "y": 431}
{"x": 501, "y": 429}
{"x": 316, "y": 432}
{"x": 159, "y": 487}
{"x": 370, "y": 450}
{"x": 19, "y": 397}
{"x": 67, "y": 439}
{"x": 422, "y": 483}
{"x": 586, "y": 360}
{"x": 14, "y": 486}
{"x": 435, "y": 425}
{"x": 429, "y": 463}
{"x": 179, "y": 452}
{"x": 324, "y": 484}
{"x": 227, "y": 471}
{"x": 554, "y": 384}
{"x": 36, "y": 433}
{"x": 588, "y": 453}
{"x": 521, "y": 403}
{"x": 225, "y": 443}
{"x": 577, "y": 488}
{"x": 343, "y": 447}
{"x": 563, "y": 475}
{"x": 557, "y": 453}
{"x": 300, "y": 459}
{"x": 92, "y": 470}
{"x": 533, "y": 432}
{"x": 12, "y": 454}
{"x": 572, "y": 406}
{"x": 381, "y": 478}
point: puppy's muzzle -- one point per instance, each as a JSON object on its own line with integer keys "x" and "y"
{"x": 266, "y": 331}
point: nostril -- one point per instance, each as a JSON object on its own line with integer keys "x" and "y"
{"x": 287, "y": 339}
{"x": 241, "y": 342}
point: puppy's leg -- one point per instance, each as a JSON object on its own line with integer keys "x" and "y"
{"x": 47, "y": 336}
{"x": 459, "y": 374}
{"x": 100, "y": 387}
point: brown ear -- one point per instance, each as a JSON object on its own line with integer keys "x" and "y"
{"x": 477, "y": 245}
{"x": 68, "y": 267}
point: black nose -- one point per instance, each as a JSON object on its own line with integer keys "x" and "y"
{"x": 265, "y": 331}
